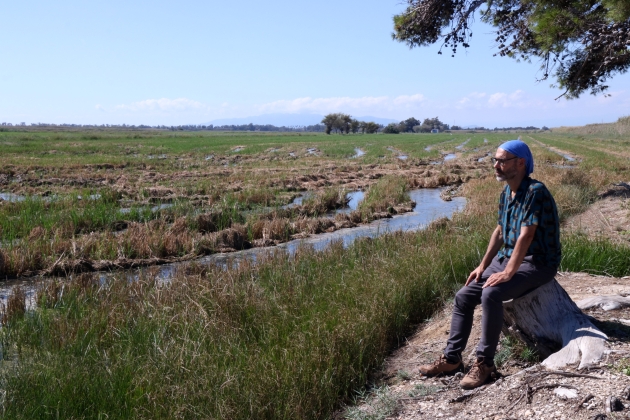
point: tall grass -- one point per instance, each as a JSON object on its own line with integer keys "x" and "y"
{"x": 596, "y": 256}
{"x": 389, "y": 191}
{"x": 621, "y": 127}
{"x": 286, "y": 338}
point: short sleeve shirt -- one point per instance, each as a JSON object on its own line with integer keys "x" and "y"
{"x": 531, "y": 205}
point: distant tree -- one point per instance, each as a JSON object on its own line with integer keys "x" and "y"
{"x": 329, "y": 121}
{"x": 407, "y": 125}
{"x": 354, "y": 126}
{"x": 371, "y": 127}
{"x": 391, "y": 128}
{"x": 429, "y": 124}
{"x": 341, "y": 123}
{"x": 455, "y": 127}
{"x": 345, "y": 123}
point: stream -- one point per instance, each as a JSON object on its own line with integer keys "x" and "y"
{"x": 429, "y": 207}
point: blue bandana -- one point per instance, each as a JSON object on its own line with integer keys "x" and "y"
{"x": 521, "y": 150}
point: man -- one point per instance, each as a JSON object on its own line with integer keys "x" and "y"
{"x": 523, "y": 254}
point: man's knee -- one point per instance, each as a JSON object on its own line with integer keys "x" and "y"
{"x": 466, "y": 298}
{"x": 491, "y": 296}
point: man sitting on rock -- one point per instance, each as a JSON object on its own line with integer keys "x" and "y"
{"x": 523, "y": 254}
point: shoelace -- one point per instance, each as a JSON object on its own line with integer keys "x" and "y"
{"x": 475, "y": 371}
{"x": 441, "y": 360}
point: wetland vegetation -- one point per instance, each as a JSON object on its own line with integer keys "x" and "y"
{"x": 285, "y": 337}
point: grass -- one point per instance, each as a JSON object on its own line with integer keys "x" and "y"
{"x": 382, "y": 403}
{"x": 511, "y": 349}
{"x": 388, "y": 192}
{"x": 284, "y": 338}
{"x": 281, "y": 339}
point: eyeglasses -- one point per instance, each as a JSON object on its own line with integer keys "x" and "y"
{"x": 501, "y": 161}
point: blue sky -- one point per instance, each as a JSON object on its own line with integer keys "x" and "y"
{"x": 190, "y": 62}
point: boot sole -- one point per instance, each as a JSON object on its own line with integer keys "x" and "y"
{"x": 460, "y": 368}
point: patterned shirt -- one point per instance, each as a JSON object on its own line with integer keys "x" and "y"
{"x": 532, "y": 205}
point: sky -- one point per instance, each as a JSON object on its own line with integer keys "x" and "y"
{"x": 192, "y": 62}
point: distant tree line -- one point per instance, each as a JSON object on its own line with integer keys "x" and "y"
{"x": 412, "y": 125}
{"x": 336, "y": 122}
{"x": 528, "y": 128}
{"x": 344, "y": 123}
{"x": 210, "y": 127}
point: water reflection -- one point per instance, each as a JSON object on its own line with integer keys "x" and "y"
{"x": 13, "y": 198}
{"x": 461, "y": 146}
{"x": 429, "y": 207}
{"x": 355, "y": 198}
{"x": 358, "y": 153}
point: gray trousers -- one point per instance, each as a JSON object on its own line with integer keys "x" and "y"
{"x": 527, "y": 278}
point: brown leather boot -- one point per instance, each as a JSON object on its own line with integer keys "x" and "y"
{"x": 441, "y": 367}
{"x": 478, "y": 375}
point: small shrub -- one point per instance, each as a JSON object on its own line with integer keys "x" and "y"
{"x": 422, "y": 390}
{"x": 382, "y": 403}
{"x": 403, "y": 375}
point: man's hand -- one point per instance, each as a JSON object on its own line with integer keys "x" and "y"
{"x": 497, "y": 278}
{"x": 475, "y": 275}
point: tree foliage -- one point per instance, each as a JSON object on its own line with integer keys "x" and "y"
{"x": 344, "y": 123}
{"x": 408, "y": 125}
{"x": 429, "y": 124}
{"x": 585, "y": 42}
{"x": 369, "y": 127}
{"x": 391, "y": 128}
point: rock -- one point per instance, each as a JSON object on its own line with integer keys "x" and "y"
{"x": 566, "y": 393}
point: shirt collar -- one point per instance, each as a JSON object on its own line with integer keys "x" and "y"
{"x": 522, "y": 187}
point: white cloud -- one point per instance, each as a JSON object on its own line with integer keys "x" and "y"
{"x": 483, "y": 100}
{"x": 164, "y": 105}
{"x": 505, "y": 100}
{"x": 407, "y": 100}
{"x": 471, "y": 98}
{"x": 344, "y": 104}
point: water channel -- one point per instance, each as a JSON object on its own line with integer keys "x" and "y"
{"x": 461, "y": 146}
{"x": 13, "y": 198}
{"x": 429, "y": 207}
